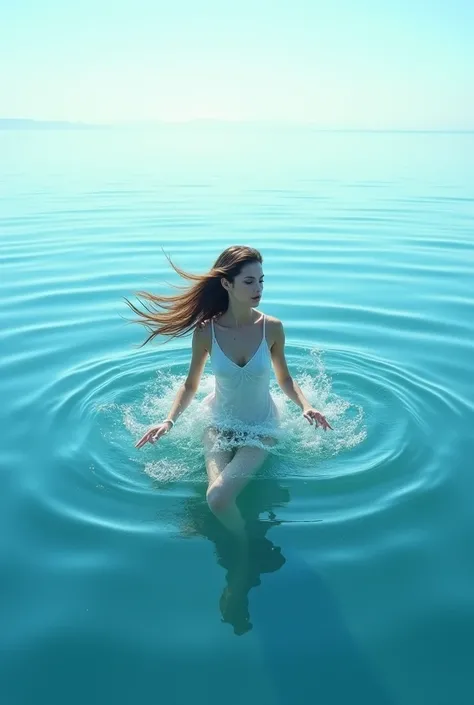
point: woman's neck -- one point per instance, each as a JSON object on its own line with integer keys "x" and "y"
{"x": 238, "y": 316}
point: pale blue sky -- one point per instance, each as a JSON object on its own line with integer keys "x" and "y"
{"x": 337, "y": 63}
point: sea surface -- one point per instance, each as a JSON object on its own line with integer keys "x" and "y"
{"x": 117, "y": 585}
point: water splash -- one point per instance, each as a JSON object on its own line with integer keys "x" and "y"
{"x": 299, "y": 446}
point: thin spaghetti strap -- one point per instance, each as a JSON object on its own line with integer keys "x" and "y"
{"x": 213, "y": 338}
{"x": 263, "y": 336}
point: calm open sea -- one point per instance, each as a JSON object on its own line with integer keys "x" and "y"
{"x": 115, "y": 579}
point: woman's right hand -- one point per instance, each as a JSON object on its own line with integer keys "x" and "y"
{"x": 153, "y": 434}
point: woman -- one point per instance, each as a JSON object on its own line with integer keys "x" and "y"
{"x": 220, "y": 308}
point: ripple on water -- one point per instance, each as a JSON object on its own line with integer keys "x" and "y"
{"x": 399, "y": 461}
{"x": 382, "y": 418}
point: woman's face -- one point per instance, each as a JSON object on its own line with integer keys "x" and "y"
{"x": 248, "y": 285}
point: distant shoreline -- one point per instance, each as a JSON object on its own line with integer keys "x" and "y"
{"x": 31, "y": 124}
{"x": 27, "y": 124}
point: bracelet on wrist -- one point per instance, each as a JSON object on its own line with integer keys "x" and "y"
{"x": 169, "y": 421}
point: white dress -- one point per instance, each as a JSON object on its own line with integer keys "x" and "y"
{"x": 241, "y": 401}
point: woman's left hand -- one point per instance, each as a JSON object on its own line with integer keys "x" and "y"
{"x": 313, "y": 416}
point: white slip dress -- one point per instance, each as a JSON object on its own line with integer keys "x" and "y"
{"x": 241, "y": 401}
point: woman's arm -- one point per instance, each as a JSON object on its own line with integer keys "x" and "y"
{"x": 188, "y": 389}
{"x": 282, "y": 373}
{"x": 286, "y": 382}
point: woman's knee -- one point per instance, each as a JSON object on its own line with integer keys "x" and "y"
{"x": 218, "y": 499}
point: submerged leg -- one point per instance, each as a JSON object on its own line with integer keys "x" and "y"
{"x": 216, "y": 461}
{"x": 227, "y": 477}
{"x": 223, "y": 490}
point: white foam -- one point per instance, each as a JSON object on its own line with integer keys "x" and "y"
{"x": 299, "y": 445}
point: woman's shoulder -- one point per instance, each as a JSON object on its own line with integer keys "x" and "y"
{"x": 204, "y": 325}
{"x": 274, "y": 330}
{"x": 272, "y": 321}
{"x": 202, "y": 333}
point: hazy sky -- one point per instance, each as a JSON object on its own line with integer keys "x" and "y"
{"x": 336, "y": 63}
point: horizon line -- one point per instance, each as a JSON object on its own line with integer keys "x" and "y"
{"x": 11, "y": 123}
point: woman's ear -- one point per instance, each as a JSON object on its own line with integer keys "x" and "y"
{"x": 225, "y": 283}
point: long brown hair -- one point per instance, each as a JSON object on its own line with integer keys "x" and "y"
{"x": 205, "y": 298}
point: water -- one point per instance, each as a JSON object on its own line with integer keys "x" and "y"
{"x": 114, "y": 574}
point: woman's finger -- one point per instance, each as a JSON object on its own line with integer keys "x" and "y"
{"x": 318, "y": 419}
{"x": 144, "y": 439}
{"x": 326, "y": 424}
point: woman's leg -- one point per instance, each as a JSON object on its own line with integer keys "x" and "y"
{"x": 223, "y": 490}
{"x": 216, "y": 461}
{"x": 225, "y": 483}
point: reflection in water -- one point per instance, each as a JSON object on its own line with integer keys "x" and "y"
{"x": 243, "y": 565}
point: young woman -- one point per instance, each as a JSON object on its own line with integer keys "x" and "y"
{"x": 220, "y": 308}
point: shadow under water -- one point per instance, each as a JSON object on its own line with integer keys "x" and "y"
{"x": 309, "y": 650}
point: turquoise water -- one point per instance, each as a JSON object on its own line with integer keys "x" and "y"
{"x": 362, "y": 539}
